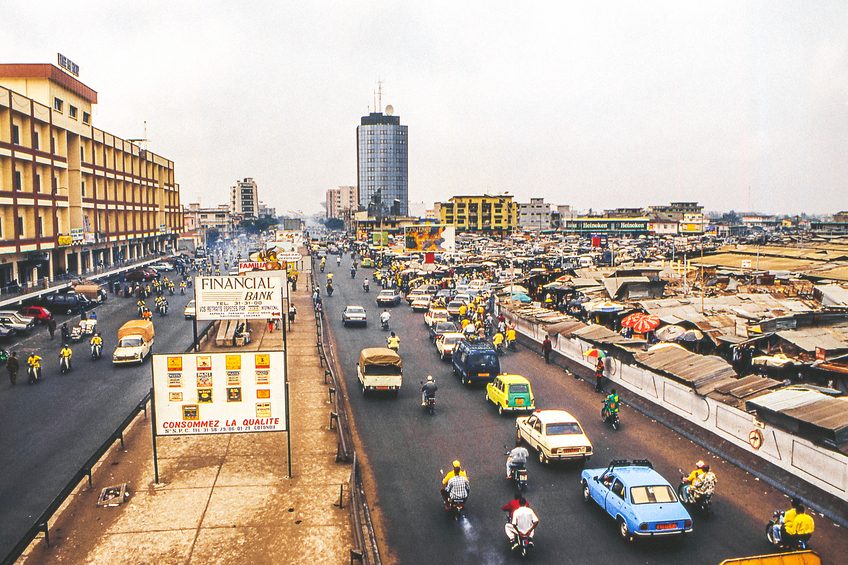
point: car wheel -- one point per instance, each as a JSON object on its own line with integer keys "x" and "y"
{"x": 624, "y": 530}
{"x": 587, "y": 496}
{"x": 500, "y": 409}
{"x": 518, "y": 434}
{"x": 542, "y": 457}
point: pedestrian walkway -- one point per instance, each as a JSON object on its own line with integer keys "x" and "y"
{"x": 221, "y": 498}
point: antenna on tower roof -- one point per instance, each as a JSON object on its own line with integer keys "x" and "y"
{"x": 380, "y": 96}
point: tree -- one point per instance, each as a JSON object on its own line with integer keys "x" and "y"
{"x": 258, "y": 225}
{"x": 731, "y": 218}
{"x": 333, "y": 224}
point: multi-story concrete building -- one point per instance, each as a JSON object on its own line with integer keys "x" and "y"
{"x": 197, "y": 218}
{"x": 73, "y": 196}
{"x": 534, "y": 215}
{"x": 381, "y": 165}
{"x": 489, "y": 214}
{"x": 244, "y": 200}
{"x": 341, "y": 201}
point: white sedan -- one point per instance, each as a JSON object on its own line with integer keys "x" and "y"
{"x": 446, "y": 343}
{"x": 555, "y": 434}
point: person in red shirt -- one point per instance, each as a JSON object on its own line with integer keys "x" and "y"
{"x": 546, "y": 349}
{"x": 512, "y": 505}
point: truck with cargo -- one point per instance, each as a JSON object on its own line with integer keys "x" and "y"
{"x": 135, "y": 341}
{"x": 379, "y": 369}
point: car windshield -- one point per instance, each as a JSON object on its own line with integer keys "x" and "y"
{"x": 131, "y": 342}
{"x": 355, "y": 310}
{"x": 563, "y": 428}
{"x": 652, "y": 494}
{"x": 452, "y": 340}
{"x": 519, "y": 388}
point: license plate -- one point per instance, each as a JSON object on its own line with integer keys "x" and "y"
{"x": 666, "y": 526}
{"x": 382, "y": 388}
{"x": 519, "y": 401}
{"x": 483, "y": 374}
{"x": 569, "y": 450}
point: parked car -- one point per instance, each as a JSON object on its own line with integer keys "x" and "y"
{"x": 388, "y": 297}
{"x": 354, "y": 315}
{"x": 446, "y": 343}
{"x": 475, "y": 361}
{"x": 510, "y": 393}
{"x": 12, "y": 320}
{"x": 161, "y": 266}
{"x": 555, "y": 434}
{"x": 140, "y": 275}
{"x": 66, "y": 303}
{"x": 640, "y": 500}
{"x": 6, "y": 331}
{"x": 38, "y": 313}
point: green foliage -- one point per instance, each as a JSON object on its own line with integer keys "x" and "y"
{"x": 334, "y": 224}
{"x": 258, "y": 225}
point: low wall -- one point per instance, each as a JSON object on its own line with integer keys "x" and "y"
{"x": 822, "y": 467}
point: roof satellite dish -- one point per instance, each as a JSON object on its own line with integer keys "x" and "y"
{"x": 389, "y": 110}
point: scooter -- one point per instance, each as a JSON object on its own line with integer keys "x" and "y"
{"x": 384, "y": 324}
{"x": 353, "y": 273}
{"x": 611, "y": 417}
{"x": 774, "y": 536}
{"x": 703, "y": 503}
{"x": 96, "y": 352}
{"x": 329, "y": 290}
{"x": 163, "y": 309}
{"x": 64, "y": 364}
{"x": 429, "y": 403}
{"x": 365, "y": 287}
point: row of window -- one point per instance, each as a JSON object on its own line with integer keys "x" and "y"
{"x": 384, "y": 178}
{"x": 59, "y": 106}
{"x": 385, "y": 131}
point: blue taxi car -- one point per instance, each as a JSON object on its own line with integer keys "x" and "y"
{"x": 640, "y": 500}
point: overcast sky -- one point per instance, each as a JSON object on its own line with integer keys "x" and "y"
{"x": 737, "y": 105}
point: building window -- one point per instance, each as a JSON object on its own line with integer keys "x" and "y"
{"x": 40, "y": 226}
{"x": 72, "y": 111}
{"x": 20, "y": 227}
{"x": 16, "y": 135}
{"x": 58, "y": 104}
{"x": 86, "y": 118}
{"x": 82, "y": 188}
{"x": 37, "y": 182}
{"x": 18, "y": 181}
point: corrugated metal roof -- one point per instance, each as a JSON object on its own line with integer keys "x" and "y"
{"x": 833, "y": 294}
{"x": 828, "y": 338}
{"x": 734, "y": 392}
{"x": 565, "y": 328}
{"x": 702, "y": 372}
{"x": 812, "y": 413}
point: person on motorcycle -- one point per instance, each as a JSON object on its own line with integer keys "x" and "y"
{"x": 92, "y": 315}
{"x": 182, "y": 287}
{"x": 96, "y": 342}
{"x": 703, "y": 485}
{"x": 393, "y": 342}
{"x": 428, "y": 390}
{"x": 523, "y": 522}
{"x": 516, "y": 458}
{"x": 455, "y": 484}
{"x": 385, "y": 317}
{"x": 338, "y": 260}
{"x": 329, "y": 277}
{"x": 497, "y": 342}
{"x": 799, "y": 528}
{"x": 611, "y": 403}
{"x": 365, "y": 285}
{"x": 146, "y": 315}
{"x": 510, "y": 337}
{"x": 34, "y": 362}
{"x": 699, "y": 470}
{"x": 66, "y": 353}
{"x": 513, "y": 505}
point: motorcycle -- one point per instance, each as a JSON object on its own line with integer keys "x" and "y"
{"x": 384, "y": 324}
{"x": 518, "y": 473}
{"x": 329, "y": 289}
{"x": 775, "y": 537}
{"x": 353, "y": 273}
{"x": 365, "y": 287}
{"x": 33, "y": 374}
{"x": 429, "y": 403}
{"x": 163, "y": 309}
{"x": 611, "y": 417}
{"x": 64, "y": 364}
{"x": 703, "y": 503}
{"x": 96, "y": 351}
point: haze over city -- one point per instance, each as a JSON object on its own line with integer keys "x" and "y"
{"x": 735, "y": 105}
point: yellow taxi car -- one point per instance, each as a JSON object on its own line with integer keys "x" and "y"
{"x": 510, "y": 393}
{"x": 434, "y": 315}
{"x": 367, "y": 262}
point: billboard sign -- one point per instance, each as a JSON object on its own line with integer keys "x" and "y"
{"x": 430, "y": 237}
{"x": 219, "y": 393}
{"x": 257, "y": 297}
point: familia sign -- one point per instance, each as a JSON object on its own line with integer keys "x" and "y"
{"x": 217, "y": 393}
{"x": 239, "y": 297}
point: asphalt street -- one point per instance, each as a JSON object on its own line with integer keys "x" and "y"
{"x": 50, "y": 429}
{"x": 408, "y": 450}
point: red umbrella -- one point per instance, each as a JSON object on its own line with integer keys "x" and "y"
{"x": 646, "y": 324}
{"x": 630, "y": 320}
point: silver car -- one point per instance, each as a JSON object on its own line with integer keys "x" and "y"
{"x": 354, "y": 315}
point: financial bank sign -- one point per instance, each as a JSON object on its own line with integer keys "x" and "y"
{"x": 236, "y": 298}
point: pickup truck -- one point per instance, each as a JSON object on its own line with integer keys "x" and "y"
{"x": 379, "y": 369}
{"x": 135, "y": 340}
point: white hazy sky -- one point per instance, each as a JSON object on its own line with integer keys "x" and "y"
{"x": 737, "y": 105}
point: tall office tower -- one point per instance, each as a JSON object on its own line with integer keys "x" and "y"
{"x": 244, "y": 199}
{"x": 381, "y": 166}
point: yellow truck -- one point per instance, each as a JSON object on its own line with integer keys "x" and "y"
{"x": 135, "y": 340}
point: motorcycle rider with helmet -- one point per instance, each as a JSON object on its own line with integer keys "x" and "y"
{"x": 699, "y": 470}
{"x": 515, "y": 458}
{"x": 96, "y": 344}
{"x": 611, "y": 403}
{"x": 428, "y": 390}
{"x": 66, "y": 353}
{"x": 34, "y": 363}
{"x": 702, "y": 485}
{"x": 455, "y": 485}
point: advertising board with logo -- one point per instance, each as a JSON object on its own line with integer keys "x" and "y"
{"x": 255, "y": 297}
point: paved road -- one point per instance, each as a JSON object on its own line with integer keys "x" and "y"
{"x": 50, "y": 429}
{"x": 408, "y": 449}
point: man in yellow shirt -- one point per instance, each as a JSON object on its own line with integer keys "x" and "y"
{"x": 510, "y": 337}
{"x": 393, "y": 342}
{"x": 34, "y": 361}
{"x": 456, "y": 472}
{"x": 699, "y": 470}
{"x": 66, "y": 353}
{"x": 797, "y": 528}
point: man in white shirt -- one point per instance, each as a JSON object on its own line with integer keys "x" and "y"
{"x": 523, "y": 522}
{"x": 517, "y": 457}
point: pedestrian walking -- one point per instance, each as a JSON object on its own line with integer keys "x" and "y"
{"x": 599, "y": 375}
{"x": 51, "y": 326}
{"x": 12, "y": 365}
{"x": 546, "y": 349}
{"x": 270, "y": 325}
{"x": 292, "y": 313}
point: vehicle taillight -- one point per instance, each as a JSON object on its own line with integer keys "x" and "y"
{"x": 643, "y": 526}
{"x": 687, "y": 524}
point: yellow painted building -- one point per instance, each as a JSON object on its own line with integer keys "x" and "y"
{"x": 484, "y": 214}
{"x": 73, "y": 197}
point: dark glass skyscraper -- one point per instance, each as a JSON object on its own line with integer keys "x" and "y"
{"x": 381, "y": 166}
